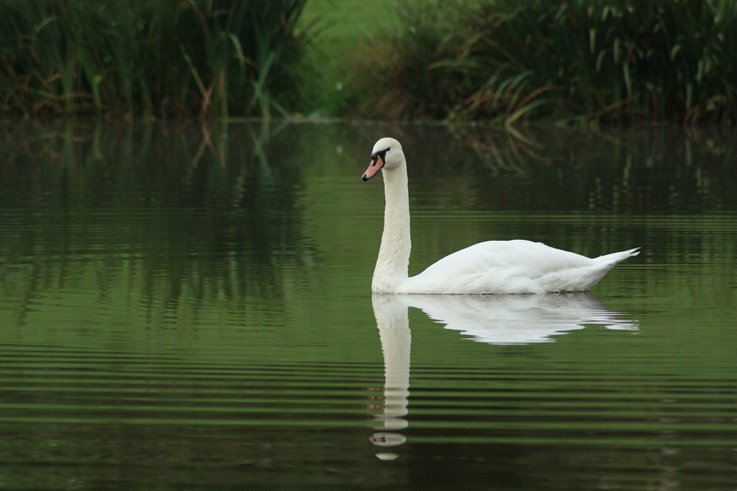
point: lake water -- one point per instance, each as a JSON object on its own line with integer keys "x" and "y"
{"x": 187, "y": 307}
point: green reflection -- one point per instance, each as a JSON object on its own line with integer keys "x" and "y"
{"x": 212, "y": 283}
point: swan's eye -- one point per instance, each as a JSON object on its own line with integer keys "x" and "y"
{"x": 381, "y": 154}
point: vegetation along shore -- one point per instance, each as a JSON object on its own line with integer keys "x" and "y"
{"x": 578, "y": 61}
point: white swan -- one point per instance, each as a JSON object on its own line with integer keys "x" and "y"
{"x": 514, "y": 266}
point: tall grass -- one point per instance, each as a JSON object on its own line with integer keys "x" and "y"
{"x": 149, "y": 57}
{"x": 592, "y": 60}
{"x": 612, "y": 60}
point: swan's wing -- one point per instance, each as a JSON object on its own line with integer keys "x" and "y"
{"x": 514, "y": 266}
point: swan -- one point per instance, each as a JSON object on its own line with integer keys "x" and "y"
{"x": 492, "y": 267}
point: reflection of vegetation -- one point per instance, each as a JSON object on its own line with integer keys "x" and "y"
{"x": 163, "y": 57}
{"x": 187, "y": 204}
{"x": 636, "y": 170}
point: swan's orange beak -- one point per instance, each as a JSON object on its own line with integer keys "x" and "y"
{"x": 374, "y": 166}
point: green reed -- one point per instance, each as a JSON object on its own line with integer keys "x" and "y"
{"x": 148, "y": 58}
{"x": 591, "y": 60}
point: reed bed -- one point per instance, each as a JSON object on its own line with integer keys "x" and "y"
{"x": 582, "y": 60}
{"x": 162, "y": 58}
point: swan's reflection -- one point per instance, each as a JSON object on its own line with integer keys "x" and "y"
{"x": 492, "y": 319}
{"x": 517, "y": 319}
{"x": 391, "y": 319}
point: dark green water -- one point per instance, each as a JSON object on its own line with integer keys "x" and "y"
{"x": 189, "y": 308}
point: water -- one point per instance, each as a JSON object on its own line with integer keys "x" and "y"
{"x": 189, "y": 307}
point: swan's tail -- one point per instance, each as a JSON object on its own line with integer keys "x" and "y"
{"x": 616, "y": 257}
{"x": 584, "y": 278}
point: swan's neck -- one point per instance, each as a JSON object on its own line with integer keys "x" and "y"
{"x": 393, "y": 261}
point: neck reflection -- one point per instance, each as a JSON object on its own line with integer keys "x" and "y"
{"x": 393, "y": 324}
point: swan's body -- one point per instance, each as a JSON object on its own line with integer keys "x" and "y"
{"x": 515, "y": 266}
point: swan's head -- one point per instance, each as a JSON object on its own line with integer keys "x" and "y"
{"x": 387, "y": 154}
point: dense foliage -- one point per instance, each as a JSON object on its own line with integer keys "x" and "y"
{"x": 587, "y": 61}
{"x": 149, "y": 57}
{"x": 599, "y": 60}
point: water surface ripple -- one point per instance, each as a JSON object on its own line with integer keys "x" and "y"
{"x": 189, "y": 308}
